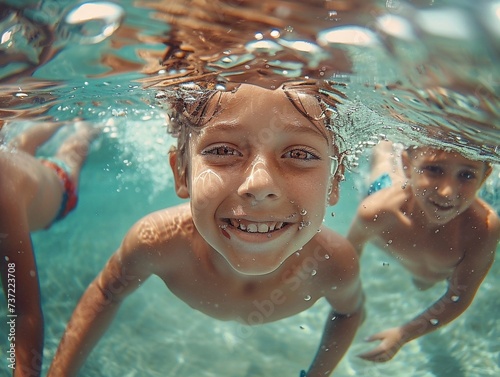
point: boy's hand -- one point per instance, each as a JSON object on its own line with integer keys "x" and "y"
{"x": 392, "y": 340}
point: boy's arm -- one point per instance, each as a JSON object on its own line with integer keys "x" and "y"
{"x": 21, "y": 288}
{"x": 124, "y": 272}
{"x": 343, "y": 320}
{"x": 463, "y": 285}
{"x": 362, "y": 227}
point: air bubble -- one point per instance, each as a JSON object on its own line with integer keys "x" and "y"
{"x": 91, "y": 23}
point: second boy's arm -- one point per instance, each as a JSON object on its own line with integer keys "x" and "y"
{"x": 363, "y": 227}
{"x": 463, "y": 285}
{"x": 123, "y": 273}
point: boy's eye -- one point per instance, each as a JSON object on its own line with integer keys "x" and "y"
{"x": 467, "y": 175}
{"x": 433, "y": 169}
{"x": 222, "y": 150}
{"x": 300, "y": 154}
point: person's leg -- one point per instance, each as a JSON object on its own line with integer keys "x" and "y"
{"x": 31, "y": 139}
{"x": 74, "y": 150}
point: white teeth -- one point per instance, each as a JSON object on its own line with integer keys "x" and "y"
{"x": 256, "y": 227}
{"x": 252, "y": 228}
{"x": 263, "y": 228}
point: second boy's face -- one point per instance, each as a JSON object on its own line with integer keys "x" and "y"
{"x": 259, "y": 179}
{"x": 444, "y": 183}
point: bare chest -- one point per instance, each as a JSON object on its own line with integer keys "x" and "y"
{"x": 250, "y": 302}
{"x": 423, "y": 254}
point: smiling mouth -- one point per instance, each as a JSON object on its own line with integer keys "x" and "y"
{"x": 442, "y": 207}
{"x": 256, "y": 227}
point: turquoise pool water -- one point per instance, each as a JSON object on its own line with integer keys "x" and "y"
{"x": 155, "y": 334}
{"x": 127, "y": 176}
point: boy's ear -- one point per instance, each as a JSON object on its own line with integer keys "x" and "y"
{"x": 334, "y": 192}
{"x": 487, "y": 173}
{"x": 181, "y": 187}
{"x": 405, "y": 160}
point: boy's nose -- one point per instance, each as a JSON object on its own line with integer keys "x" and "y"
{"x": 447, "y": 188}
{"x": 259, "y": 182}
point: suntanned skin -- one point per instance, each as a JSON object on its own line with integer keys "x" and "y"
{"x": 30, "y": 198}
{"x": 205, "y": 259}
{"x": 432, "y": 222}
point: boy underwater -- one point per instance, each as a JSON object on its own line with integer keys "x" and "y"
{"x": 259, "y": 167}
{"x": 422, "y": 209}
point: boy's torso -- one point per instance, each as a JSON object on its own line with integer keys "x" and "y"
{"x": 429, "y": 253}
{"x": 198, "y": 275}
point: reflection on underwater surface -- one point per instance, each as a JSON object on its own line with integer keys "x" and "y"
{"x": 426, "y": 73}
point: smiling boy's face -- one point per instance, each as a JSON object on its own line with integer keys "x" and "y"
{"x": 444, "y": 183}
{"x": 259, "y": 178}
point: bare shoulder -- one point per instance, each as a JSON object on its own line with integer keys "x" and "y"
{"x": 337, "y": 255}
{"x": 159, "y": 234}
{"x": 483, "y": 222}
{"x": 338, "y": 273}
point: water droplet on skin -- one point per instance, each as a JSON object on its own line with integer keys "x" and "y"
{"x": 313, "y": 272}
{"x": 307, "y": 298}
{"x": 303, "y": 212}
{"x": 327, "y": 256}
{"x": 434, "y": 321}
{"x": 304, "y": 224}
{"x": 455, "y": 298}
{"x": 275, "y": 33}
{"x": 436, "y": 231}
